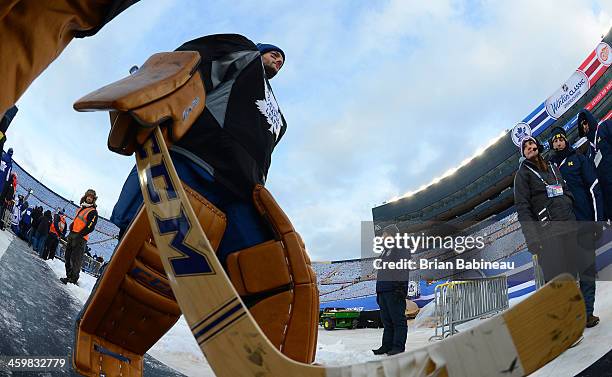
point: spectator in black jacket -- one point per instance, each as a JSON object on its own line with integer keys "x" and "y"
{"x": 36, "y": 215}
{"x": 581, "y": 178}
{"x": 391, "y": 291}
{"x": 42, "y": 230}
{"x": 57, "y": 230}
{"x": 7, "y": 199}
{"x": 544, "y": 204}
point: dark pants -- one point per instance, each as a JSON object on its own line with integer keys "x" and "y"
{"x": 23, "y": 231}
{"x": 38, "y": 242}
{"x": 393, "y": 315}
{"x": 75, "y": 249}
{"x": 587, "y": 287}
{"x": 51, "y": 245}
{"x": 30, "y": 235}
{"x": 3, "y": 209}
{"x": 587, "y": 274}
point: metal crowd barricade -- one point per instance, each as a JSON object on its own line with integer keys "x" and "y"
{"x": 61, "y": 250}
{"x": 457, "y": 302}
{"x": 538, "y": 275}
{"x": 91, "y": 266}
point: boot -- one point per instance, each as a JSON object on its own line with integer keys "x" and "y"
{"x": 394, "y": 351}
{"x": 381, "y": 351}
{"x": 64, "y": 280}
{"x": 592, "y": 321}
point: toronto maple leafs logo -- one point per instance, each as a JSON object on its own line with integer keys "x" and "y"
{"x": 269, "y": 108}
{"x": 519, "y": 132}
{"x": 413, "y": 288}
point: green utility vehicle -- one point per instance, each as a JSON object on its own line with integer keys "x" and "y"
{"x": 339, "y": 318}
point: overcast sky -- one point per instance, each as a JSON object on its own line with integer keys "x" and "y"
{"x": 380, "y": 97}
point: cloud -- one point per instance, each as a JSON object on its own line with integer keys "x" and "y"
{"x": 437, "y": 85}
{"x": 380, "y": 97}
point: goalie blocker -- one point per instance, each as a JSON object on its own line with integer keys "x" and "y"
{"x": 132, "y": 305}
{"x": 34, "y": 33}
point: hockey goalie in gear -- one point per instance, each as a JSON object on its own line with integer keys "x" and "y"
{"x": 282, "y": 294}
{"x": 34, "y": 33}
{"x": 132, "y": 305}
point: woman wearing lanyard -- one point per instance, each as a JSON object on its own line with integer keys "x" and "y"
{"x": 544, "y": 206}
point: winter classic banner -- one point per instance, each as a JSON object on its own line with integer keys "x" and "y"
{"x": 591, "y": 69}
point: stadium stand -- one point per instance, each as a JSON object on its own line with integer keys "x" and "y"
{"x": 102, "y": 240}
{"x": 342, "y": 280}
{"x": 476, "y": 198}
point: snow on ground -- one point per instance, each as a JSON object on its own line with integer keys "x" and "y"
{"x": 5, "y": 241}
{"x": 342, "y": 347}
{"x": 178, "y": 349}
{"x": 86, "y": 282}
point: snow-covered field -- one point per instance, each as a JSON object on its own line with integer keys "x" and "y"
{"x": 5, "y": 241}
{"x": 179, "y": 350}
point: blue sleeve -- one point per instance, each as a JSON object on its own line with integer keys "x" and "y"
{"x": 129, "y": 202}
{"x": 604, "y": 132}
{"x": 589, "y": 177}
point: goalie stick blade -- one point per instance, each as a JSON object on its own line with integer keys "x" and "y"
{"x": 513, "y": 343}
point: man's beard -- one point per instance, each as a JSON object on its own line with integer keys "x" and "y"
{"x": 270, "y": 71}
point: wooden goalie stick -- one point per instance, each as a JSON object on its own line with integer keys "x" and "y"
{"x": 514, "y": 343}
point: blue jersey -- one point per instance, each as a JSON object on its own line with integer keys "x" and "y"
{"x": 579, "y": 173}
{"x": 26, "y": 216}
{"x": 6, "y": 166}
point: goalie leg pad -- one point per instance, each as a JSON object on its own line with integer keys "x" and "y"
{"x": 132, "y": 305}
{"x": 275, "y": 279}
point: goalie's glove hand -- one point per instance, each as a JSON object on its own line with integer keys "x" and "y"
{"x": 167, "y": 91}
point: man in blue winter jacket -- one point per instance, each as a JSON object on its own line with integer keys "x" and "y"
{"x": 600, "y": 138}
{"x": 391, "y": 292}
{"x": 581, "y": 178}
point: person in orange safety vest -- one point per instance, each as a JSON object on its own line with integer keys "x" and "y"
{"x": 84, "y": 223}
{"x": 57, "y": 230}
